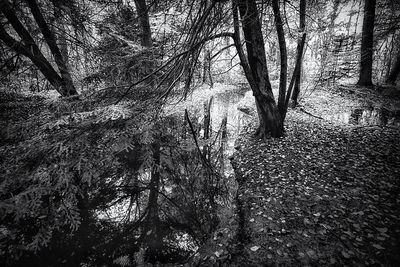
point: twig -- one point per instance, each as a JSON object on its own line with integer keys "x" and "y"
{"x": 312, "y": 115}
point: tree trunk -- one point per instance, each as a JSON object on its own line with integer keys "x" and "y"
{"x": 392, "y": 77}
{"x": 33, "y": 53}
{"x": 224, "y": 136}
{"x": 153, "y": 235}
{"x": 61, "y": 37}
{"x": 29, "y": 49}
{"x": 367, "y": 43}
{"x": 144, "y": 23}
{"x": 52, "y": 43}
{"x": 283, "y": 56}
{"x": 207, "y": 68}
{"x": 296, "y": 88}
{"x": 207, "y": 128}
{"x": 255, "y": 67}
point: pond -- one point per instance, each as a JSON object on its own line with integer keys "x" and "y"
{"x": 225, "y": 106}
{"x": 215, "y": 122}
{"x": 192, "y": 182}
{"x": 369, "y": 116}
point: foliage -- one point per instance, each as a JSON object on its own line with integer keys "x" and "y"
{"x": 123, "y": 59}
{"x": 64, "y": 173}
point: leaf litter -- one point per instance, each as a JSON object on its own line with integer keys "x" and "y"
{"x": 329, "y": 189}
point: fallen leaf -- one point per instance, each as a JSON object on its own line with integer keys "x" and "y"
{"x": 377, "y": 246}
{"x": 255, "y": 248}
{"x": 382, "y": 230}
{"x": 311, "y": 254}
{"x": 345, "y": 254}
{"x": 217, "y": 254}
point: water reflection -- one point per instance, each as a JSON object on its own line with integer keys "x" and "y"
{"x": 368, "y": 117}
{"x": 178, "y": 178}
{"x": 374, "y": 116}
{"x": 225, "y": 106}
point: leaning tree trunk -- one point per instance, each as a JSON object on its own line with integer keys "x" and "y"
{"x": 392, "y": 77}
{"x": 29, "y": 48}
{"x": 283, "y": 56}
{"x": 367, "y": 43}
{"x": 50, "y": 38}
{"x": 254, "y": 65}
{"x": 31, "y": 51}
{"x": 296, "y": 88}
{"x": 61, "y": 37}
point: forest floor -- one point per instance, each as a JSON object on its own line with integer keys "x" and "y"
{"x": 327, "y": 193}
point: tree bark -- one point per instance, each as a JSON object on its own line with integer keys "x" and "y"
{"x": 296, "y": 69}
{"x": 392, "y": 77}
{"x": 367, "y": 43}
{"x": 296, "y": 88}
{"x": 143, "y": 14}
{"x": 207, "y": 68}
{"x": 283, "y": 56}
{"x": 255, "y": 67}
{"x": 29, "y": 49}
{"x": 52, "y": 43}
{"x": 61, "y": 37}
{"x": 207, "y": 128}
{"x": 33, "y": 53}
{"x": 152, "y": 232}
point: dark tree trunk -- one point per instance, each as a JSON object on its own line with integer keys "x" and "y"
{"x": 61, "y": 37}
{"x": 207, "y": 68}
{"x": 283, "y": 56}
{"x": 153, "y": 234}
{"x": 52, "y": 43}
{"x": 29, "y": 49}
{"x": 224, "y": 136}
{"x": 255, "y": 67}
{"x": 144, "y": 23}
{"x": 296, "y": 88}
{"x": 207, "y": 128}
{"x": 392, "y": 77}
{"x": 367, "y": 44}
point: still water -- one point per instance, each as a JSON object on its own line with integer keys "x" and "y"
{"x": 369, "y": 116}
{"x": 197, "y": 183}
